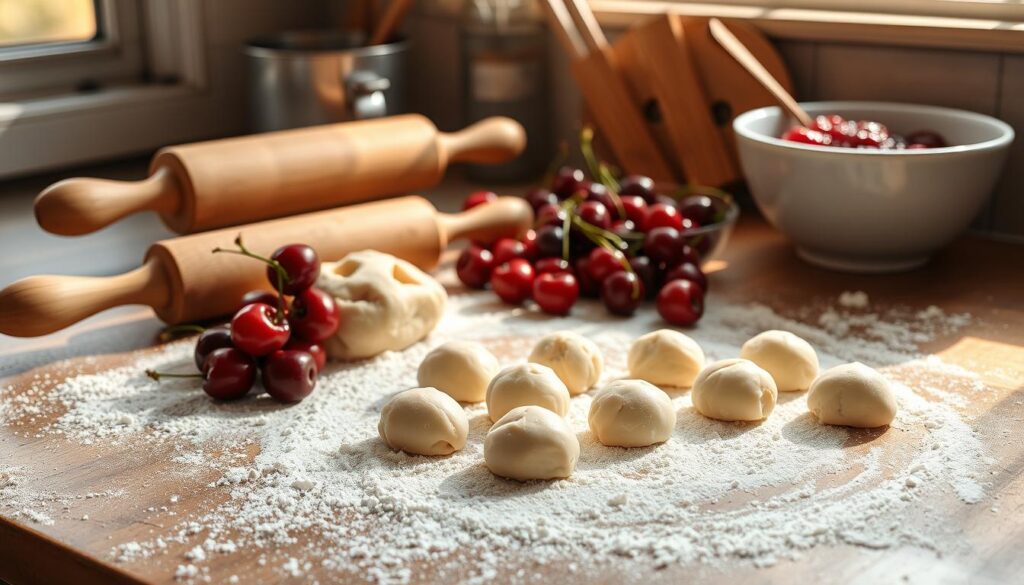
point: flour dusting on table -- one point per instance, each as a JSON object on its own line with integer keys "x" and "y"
{"x": 715, "y": 493}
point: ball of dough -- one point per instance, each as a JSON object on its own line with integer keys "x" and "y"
{"x": 665, "y": 358}
{"x": 526, "y": 384}
{"x": 386, "y": 303}
{"x": 735, "y": 389}
{"x": 631, "y": 413}
{"x": 575, "y": 359}
{"x": 789, "y": 359}
{"x": 531, "y": 442}
{"x": 461, "y": 369}
{"x": 423, "y": 421}
{"x": 852, "y": 395}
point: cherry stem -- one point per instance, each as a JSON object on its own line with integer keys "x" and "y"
{"x": 174, "y": 331}
{"x": 609, "y": 241}
{"x": 599, "y": 170}
{"x": 157, "y": 375}
{"x": 282, "y": 274}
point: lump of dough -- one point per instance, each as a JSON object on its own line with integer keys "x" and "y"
{"x": 423, "y": 421}
{"x": 575, "y": 359}
{"x": 789, "y": 359}
{"x": 631, "y": 413}
{"x": 734, "y": 390}
{"x": 525, "y": 384}
{"x": 461, "y": 369}
{"x": 386, "y": 304}
{"x": 531, "y": 442}
{"x": 852, "y": 395}
{"x": 665, "y": 358}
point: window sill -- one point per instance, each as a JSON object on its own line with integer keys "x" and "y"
{"x": 825, "y": 25}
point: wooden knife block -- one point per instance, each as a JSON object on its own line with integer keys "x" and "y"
{"x": 690, "y": 90}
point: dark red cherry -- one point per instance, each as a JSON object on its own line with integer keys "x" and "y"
{"x": 315, "y": 315}
{"x": 663, "y": 245}
{"x": 662, "y": 215}
{"x": 256, "y": 330}
{"x": 513, "y": 281}
{"x": 595, "y": 213}
{"x": 647, "y": 272}
{"x": 549, "y": 241}
{"x": 681, "y": 302}
{"x": 545, "y": 265}
{"x": 555, "y": 292}
{"x": 289, "y": 375}
{"x": 313, "y": 348}
{"x": 228, "y": 374}
{"x": 635, "y": 208}
{"x": 506, "y": 249}
{"x": 604, "y": 262}
{"x": 688, "y": 271}
{"x": 589, "y": 287}
{"x": 698, "y": 208}
{"x": 301, "y": 264}
{"x": 925, "y": 139}
{"x": 474, "y": 266}
{"x": 210, "y": 340}
{"x": 538, "y": 198}
{"x": 638, "y": 185}
{"x": 567, "y": 181}
{"x": 622, "y": 292}
{"x": 549, "y": 214}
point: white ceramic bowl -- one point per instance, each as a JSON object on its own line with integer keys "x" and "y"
{"x": 872, "y": 210}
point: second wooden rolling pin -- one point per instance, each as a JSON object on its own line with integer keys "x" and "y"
{"x": 182, "y": 280}
{"x": 206, "y": 185}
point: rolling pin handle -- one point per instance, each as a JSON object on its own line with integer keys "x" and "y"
{"x": 508, "y": 217}
{"x": 490, "y": 141}
{"x": 74, "y": 207}
{"x": 38, "y": 305}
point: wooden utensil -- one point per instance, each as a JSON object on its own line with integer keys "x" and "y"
{"x": 206, "y": 185}
{"x": 608, "y": 97}
{"x": 182, "y": 280}
{"x": 390, "y": 22}
{"x": 661, "y": 67}
{"x": 739, "y": 51}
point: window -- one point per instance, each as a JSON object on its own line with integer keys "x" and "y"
{"x": 33, "y": 22}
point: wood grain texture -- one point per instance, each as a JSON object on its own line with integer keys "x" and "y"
{"x": 759, "y": 265}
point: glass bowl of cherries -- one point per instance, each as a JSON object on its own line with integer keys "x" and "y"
{"x": 623, "y": 240}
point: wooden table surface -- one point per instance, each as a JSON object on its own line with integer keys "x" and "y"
{"x": 981, "y": 277}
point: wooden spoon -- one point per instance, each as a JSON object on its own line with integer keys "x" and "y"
{"x": 749, "y": 62}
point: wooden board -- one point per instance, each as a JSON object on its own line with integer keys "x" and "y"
{"x": 980, "y": 277}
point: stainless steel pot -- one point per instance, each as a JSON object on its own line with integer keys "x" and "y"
{"x": 317, "y": 77}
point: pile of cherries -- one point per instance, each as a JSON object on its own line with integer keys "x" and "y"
{"x": 277, "y": 335}
{"x": 834, "y": 130}
{"x": 623, "y": 245}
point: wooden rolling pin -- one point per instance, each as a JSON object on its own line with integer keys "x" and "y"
{"x": 182, "y": 280}
{"x": 207, "y": 185}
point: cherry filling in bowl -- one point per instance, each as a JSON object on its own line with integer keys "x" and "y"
{"x": 834, "y": 130}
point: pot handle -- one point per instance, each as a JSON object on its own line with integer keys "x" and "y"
{"x": 365, "y": 91}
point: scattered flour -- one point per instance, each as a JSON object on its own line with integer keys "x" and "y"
{"x": 716, "y": 492}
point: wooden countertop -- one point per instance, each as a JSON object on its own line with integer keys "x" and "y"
{"x": 981, "y": 277}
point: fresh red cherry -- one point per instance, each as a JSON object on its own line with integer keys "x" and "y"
{"x": 807, "y": 136}
{"x": 259, "y": 296}
{"x": 289, "y": 375}
{"x": 506, "y": 249}
{"x": 567, "y": 181}
{"x": 538, "y": 198}
{"x": 313, "y": 348}
{"x": 315, "y": 315}
{"x": 663, "y": 245}
{"x": 638, "y": 185}
{"x": 300, "y": 263}
{"x": 688, "y": 253}
{"x": 681, "y": 302}
{"x": 604, "y": 262}
{"x": 598, "y": 193}
{"x": 662, "y": 215}
{"x": 228, "y": 374}
{"x": 529, "y": 241}
{"x": 595, "y": 213}
{"x": 549, "y": 241}
{"x": 589, "y": 287}
{"x": 210, "y": 340}
{"x": 478, "y": 198}
{"x": 513, "y": 281}
{"x": 698, "y": 208}
{"x": 555, "y": 292}
{"x": 549, "y": 214}
{"x": 546, "y": 265}
{"x": 622, "y": 292}
{"x": 647, "y": 272}
{"x": 256, "y": 330}
{"x": 474, "y": 266}
{"x": 688, "y": 271}
{"x": 635, "y": 208}
{"x": 925, "y": 139}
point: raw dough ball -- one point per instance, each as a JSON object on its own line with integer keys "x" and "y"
{"x": 666, "y": 358}
{"x": 531, "y": 442}
{"x": 789, "y": 359}
{"x": 852, "y": 395}
{"x": 461, "y": 369}
{"x": 526, "y": 384}
{"x": 631, "y": 413}
{"x": 386, "y": 303}
{"x": 575, "y": 359}
{"x": 424, "y": 421}
{"x": 735, "y": 389}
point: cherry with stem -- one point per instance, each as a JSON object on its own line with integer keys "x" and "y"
{"x": 282, "y": 274}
